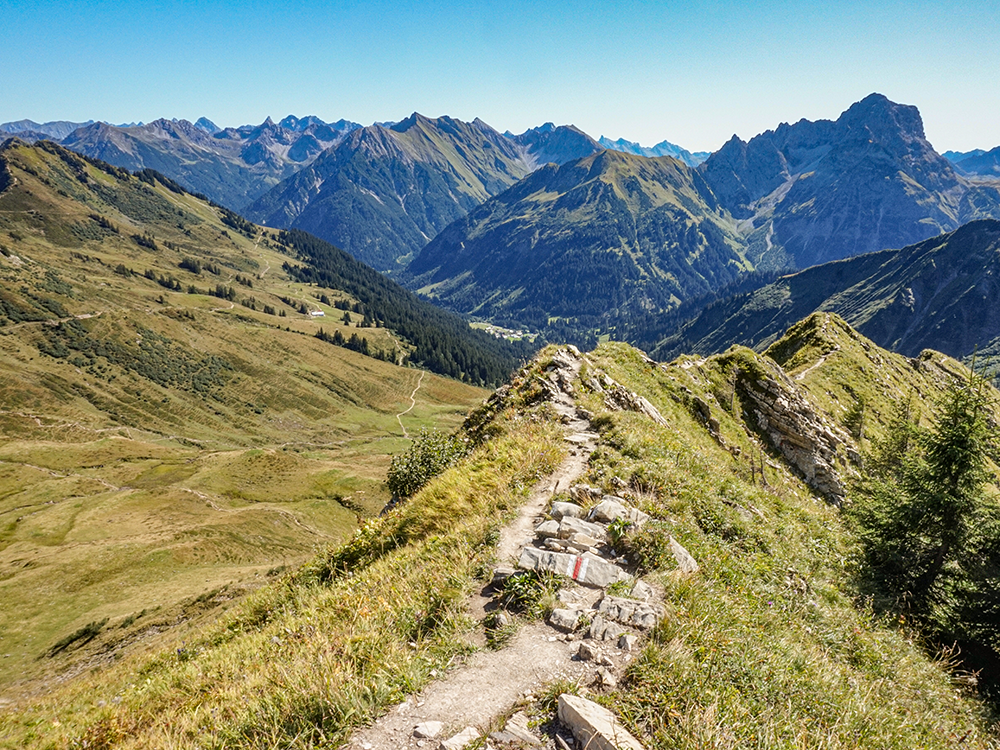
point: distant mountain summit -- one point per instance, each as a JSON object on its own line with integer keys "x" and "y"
{"x": 232, "y": 166}
{"x": 818, "y": 191}
{"x": 663, "y": 148}
{"x": 555, "y": 144}
{"x": 385, "y": 192}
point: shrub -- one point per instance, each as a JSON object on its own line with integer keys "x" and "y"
{"x": 430, "y": 454}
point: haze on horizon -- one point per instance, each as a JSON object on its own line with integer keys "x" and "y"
{"x": 693, "y": 73}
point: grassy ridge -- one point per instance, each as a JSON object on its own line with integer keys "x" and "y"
{"x": 768, "y": 646}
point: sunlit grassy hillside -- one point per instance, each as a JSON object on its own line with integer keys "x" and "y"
{"x": 768, "y": 646}
{"x": 172, "y": 432}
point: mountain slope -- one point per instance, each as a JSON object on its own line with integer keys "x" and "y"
{"x": 818, "y": 191}
{"x": 586, "y": 242}
{"x": 940, "y": 294}
{"x": 233, "y": 166}
{"x": 764, "y": 642}
{"x": 384, "y": 193}
{"x": 172, "y": 426}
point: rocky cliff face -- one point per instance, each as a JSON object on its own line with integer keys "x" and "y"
{"x": 818, "y": 191}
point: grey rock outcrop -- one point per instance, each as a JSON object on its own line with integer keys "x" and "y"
{"x": 781, "y": 411}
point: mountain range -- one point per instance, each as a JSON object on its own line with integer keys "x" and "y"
{"x": 942, "y": 293}
{"x": 818, "y": 191}
{"x": 584, "y": 242}
{"x": 383, "y": 193}
{"x": 232, "y": 166}
{"x": 551, "y": 230}
{"x": 663, "y": 148}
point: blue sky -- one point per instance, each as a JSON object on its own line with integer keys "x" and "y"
{"x": 690, "y": 72}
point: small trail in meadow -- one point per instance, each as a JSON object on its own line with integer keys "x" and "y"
{"x": 489, "y": 683}
{"x": 413, "y": 402}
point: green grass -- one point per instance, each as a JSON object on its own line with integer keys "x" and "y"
{"x": 302, "y": 661}
{"x": 134, "y": 472}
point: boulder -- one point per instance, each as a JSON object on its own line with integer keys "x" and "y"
{"x": 547, "y": 529}
{"x": 594, "y": 726}
{"x": 588, "y": 652}
{"x": 588, "y": 570}
{"x": 428, "y": 730}
{"x": 516, "y": 731}
{"x": 628, "y": 642}
{"x": 563, "y": 510}
{"x": 606, "y": 678}
{"x": 612, "y": 508}
{"x": 602, "y": 629}
{"x": 629, "y": 612}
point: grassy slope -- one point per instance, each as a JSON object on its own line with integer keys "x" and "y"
{"x": 122, "y": 492}
{"x": 765, "y": 648}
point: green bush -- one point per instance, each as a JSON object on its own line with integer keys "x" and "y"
{"x": 430, "y": 454}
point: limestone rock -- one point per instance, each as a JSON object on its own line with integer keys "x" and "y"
{"x": 570, "y": 526}
{"x": 804, "y": 437}
{"x": 642, "y": 591}
{"x": 588, "y": 570}
{"x": 606, "y": 678}
{"x": 466, "y": 737}
{"x": 428, "y": 730}
{"x": 547, "y": 529}
{"x": 594, "y": 726}
{"x": 563, "y": 510}
{"x": 516, "y": 731}
{"x": 628, "y": 642}
{"x": 602, "y": 629}
{"x": 588, "y": 652}
{"x": 565, "y": 619}
{"x": 685, "y": 563}
{"x": 629, "y": 612}
{"x": 612, "y": 508}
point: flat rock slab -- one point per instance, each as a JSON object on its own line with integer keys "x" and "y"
{"x": 561, "y": 510}
{"x": 587, "y": 570}
{"x": 594, "y": 726}
{"x": 571, "y": 526}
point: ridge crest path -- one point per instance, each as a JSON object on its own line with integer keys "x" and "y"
{"x": 491, "y": 682}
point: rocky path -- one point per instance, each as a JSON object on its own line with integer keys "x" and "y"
{"x": 469, "y": 700}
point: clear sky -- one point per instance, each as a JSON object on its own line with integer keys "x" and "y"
{"x": 692, "y": 72}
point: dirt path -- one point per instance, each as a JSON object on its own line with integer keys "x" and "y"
{"x": 489, "y": 683}
{"x": 413, "y": 402}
